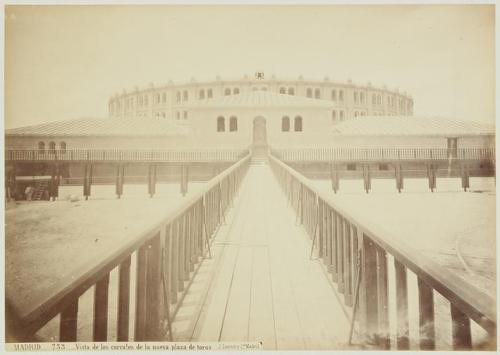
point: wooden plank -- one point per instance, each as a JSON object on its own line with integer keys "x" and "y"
{"x": 426, "y": 316}
{"x": 123, "y": 300}
{"x": 236, "y": 321}
{"x": 402, "y": 327}
{"x": 261, "y": 323}
{"x": 461, "y": 332}
{"x": 68, "y": 322}
{"x": 100, "y": 332}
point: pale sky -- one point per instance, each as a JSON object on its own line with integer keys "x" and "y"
{"x": 64, "y": 62}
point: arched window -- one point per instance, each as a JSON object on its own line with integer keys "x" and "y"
{"x": 341, "y": 95}
{"x": 177, "y": 115}
{"x": 185, "y": 115}
{"x": 221, "y": 127}
{"x": 317, "y": 93}
{"x": 62, "y": 147}
{"x": 52, "y": 147}
{"x": 41, "y": 147}
{"x": 178, "y": 96}
{"x": 164, "y": 97}
{"x": 334, "y": 116}
{"x": 236, "y": 91}
{"x": 298, "y": 124}
{"x": 209, "y": 93}
{"x": 363, "y": 113}
{"x": 309, "y": 92}
{"x": 285, "y": 124}
{"x": 334, "y": 95}
{"x": 374, "y": 99}
{"x": 291, "y": 91}
{"x": 158, "y": 98}
{"x": 341, "y": 115}
{"x": 227, "y": 92}
{"x": 233, "y": 124}
{"x": 379, "y": 99}
{"x": 185, "y": 95}
{"x": 355, "y": 113}
{"x": 356, "y": 96}
{"x": 282, "y": 90}
{"x": 201, "y": 95}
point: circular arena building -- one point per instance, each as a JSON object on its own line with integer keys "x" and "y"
{"x": 348, "y": 99}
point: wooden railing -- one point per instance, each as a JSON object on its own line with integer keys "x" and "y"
{"x": 381, "y": 154}
{"x": 166, "y": 257}
{"x": 353, "y": 251}
{"x": 137, "y": 155}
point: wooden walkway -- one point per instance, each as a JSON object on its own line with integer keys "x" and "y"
{"x": 260, "y": 284}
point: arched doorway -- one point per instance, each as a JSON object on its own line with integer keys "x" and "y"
{"x": 259, "y": 145}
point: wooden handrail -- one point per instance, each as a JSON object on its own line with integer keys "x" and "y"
{"x": 156, "y": 155}
{"x": 71, "y": 289}
{"x": 466, "y": 299}
{"x": 385, "y": 154}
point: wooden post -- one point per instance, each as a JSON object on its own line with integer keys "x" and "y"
{"x": 174, "y": 261}
{"x": 184, "y": 179}
{"x": 140, "y": 298}
{"x": 151, "y": 179}
{"x": 426, "y": 316}
{"x": 87, "y": 180}
{"x": 367, "y": 178}
{"x": 399, "y": 177}
{"x": 334, "y": 174}
{"x": 465, "y": 176}
{"x": 153, "y": 292}
{"x": 347, "y": 264}
{"x": 461, "y": 333}
{"x": 68, "y": 322}
{"x": 431, "y": 173}
{"x": 383, "y": 300}
{"x": 123, "y": 300}
{"x": 120, "y": 173}
{"x": 340, "y": 253}
{"x": 369, "y": 291}
{"x": 403, "y": 340}
{"x": 101, "y": 309}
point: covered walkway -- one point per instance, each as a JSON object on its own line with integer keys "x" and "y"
{"x": 260, "y": 284}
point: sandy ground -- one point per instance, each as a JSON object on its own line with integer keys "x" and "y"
{"x": 53, "y": 240}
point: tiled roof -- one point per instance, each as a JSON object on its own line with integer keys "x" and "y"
{"x": 260, "y": 98}
{"x": 102, "y": 127}
{"x": 424, "y": 126}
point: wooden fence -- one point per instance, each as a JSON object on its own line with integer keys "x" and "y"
{"x": 353, "y": 251}
{"x": 167, "y": 256}
{"x": 122, "y": 155}
{"x": 381, "y": 154}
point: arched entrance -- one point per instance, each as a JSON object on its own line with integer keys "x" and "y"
{"x": 259, "y": 144}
